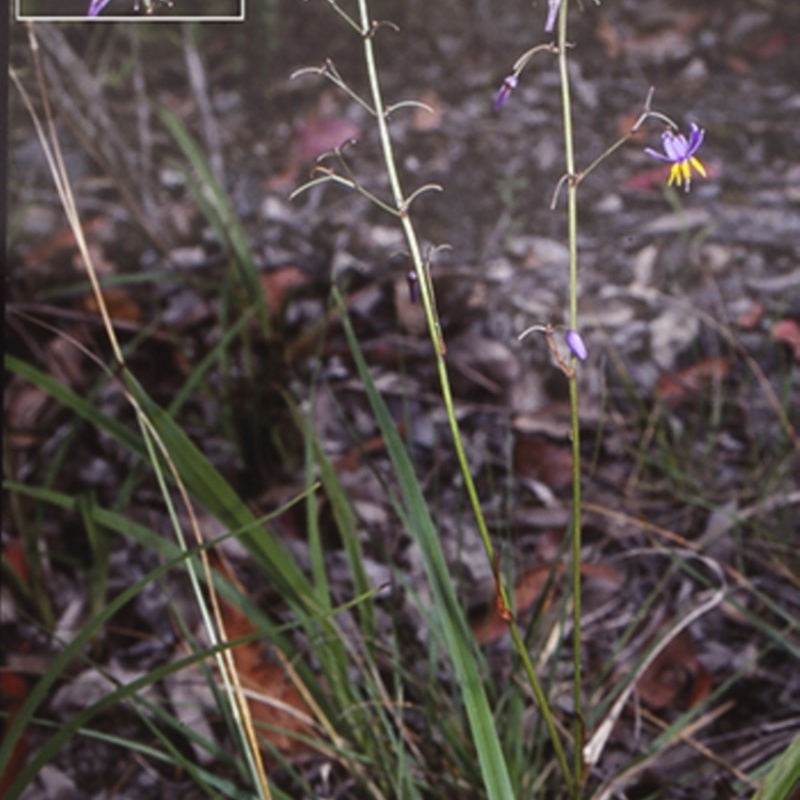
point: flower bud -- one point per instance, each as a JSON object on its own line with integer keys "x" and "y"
{"x": 509, "y": 84}
{"x": 413, "y": 286}
{"x": 552, "y": 13}
{"x": 576, "y": 345}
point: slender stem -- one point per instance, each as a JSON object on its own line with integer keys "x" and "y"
{"x": 434, "y": 329}
{"x": 572, "y": 233}
{"x": 604, "y": 155}
{"x": 645, "y": 115}
{"x": 423, "y": 275}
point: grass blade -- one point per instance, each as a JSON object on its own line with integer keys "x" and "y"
{"x": 460, "y": 643}
{"x": 783, "y": 779}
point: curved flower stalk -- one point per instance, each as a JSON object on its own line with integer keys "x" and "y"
{"x": 511, "y": 81}
{"x": 573, "y": 340}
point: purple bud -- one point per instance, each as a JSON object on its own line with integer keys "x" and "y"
{"x": 509, "y": 84}
{"x": 576, "y": 345}
{"x": 413, "y": 286}
{"x": 552, "y": 13}
{"x": 96, "y": 6}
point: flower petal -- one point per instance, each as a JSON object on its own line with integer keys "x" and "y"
{"x": 675, "y": 145}
{"x": 655, "y": 154}
{"x": 695, "y": 140}
{"x": 699, "y": 166}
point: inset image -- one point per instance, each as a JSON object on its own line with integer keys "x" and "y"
{"x": 127, "y": 10}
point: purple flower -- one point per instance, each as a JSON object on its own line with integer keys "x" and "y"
{"x": 96, "y": 6}
{"x": 509, "y": 84}
{"x": 680, "y": 153}
{"x": 576, "y": 345}
{"x": 552, "y": 14}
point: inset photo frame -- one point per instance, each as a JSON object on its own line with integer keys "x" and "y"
{"x": 130, "y": 10}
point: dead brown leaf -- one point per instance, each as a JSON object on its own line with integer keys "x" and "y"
{"x": 61, "y": 241}
{"x": 13, "y": 694}
{"x": 543, "y": 460}
{"x": 279, "y": 711}
{"x": 677, "y": 387}
{"x": 121, "y": 306}
{"x": 14, "y": 556}
{"x": 354, "y": 457}
{"x": 528, "y": 591}
{"x": 788, "y": 332}
{"x": 676, "y": 678}
{"x": 278, "y": 283}
{"x": 26, "y": 407}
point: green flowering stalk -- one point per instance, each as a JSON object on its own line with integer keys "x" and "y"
{"x": 681, "y": 154}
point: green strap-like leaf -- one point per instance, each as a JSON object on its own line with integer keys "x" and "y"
{"x": 460, "y": 643}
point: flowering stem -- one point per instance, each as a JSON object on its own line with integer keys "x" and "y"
{"x": 422, "y": 273}
{"x": 572, "y": 233}
{"x": 426, "y": 294}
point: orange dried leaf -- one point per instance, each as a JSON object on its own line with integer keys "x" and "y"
{"x": 788, "y": 331}
{"x": 540, "y": 458}
{"x": 675, "y": 679}
{"x": 354, "y": 457}
{"x": 676, "y": 387}
{"x": 121, "y": 307}
{"x": 14, "y": 555}
{"x": 528, "y": 591}
{"x": 276, "y": 285}
{"x": 13, "y": 693}
{"x": 279, "y": 711}
{"x": 58, "y": 243}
